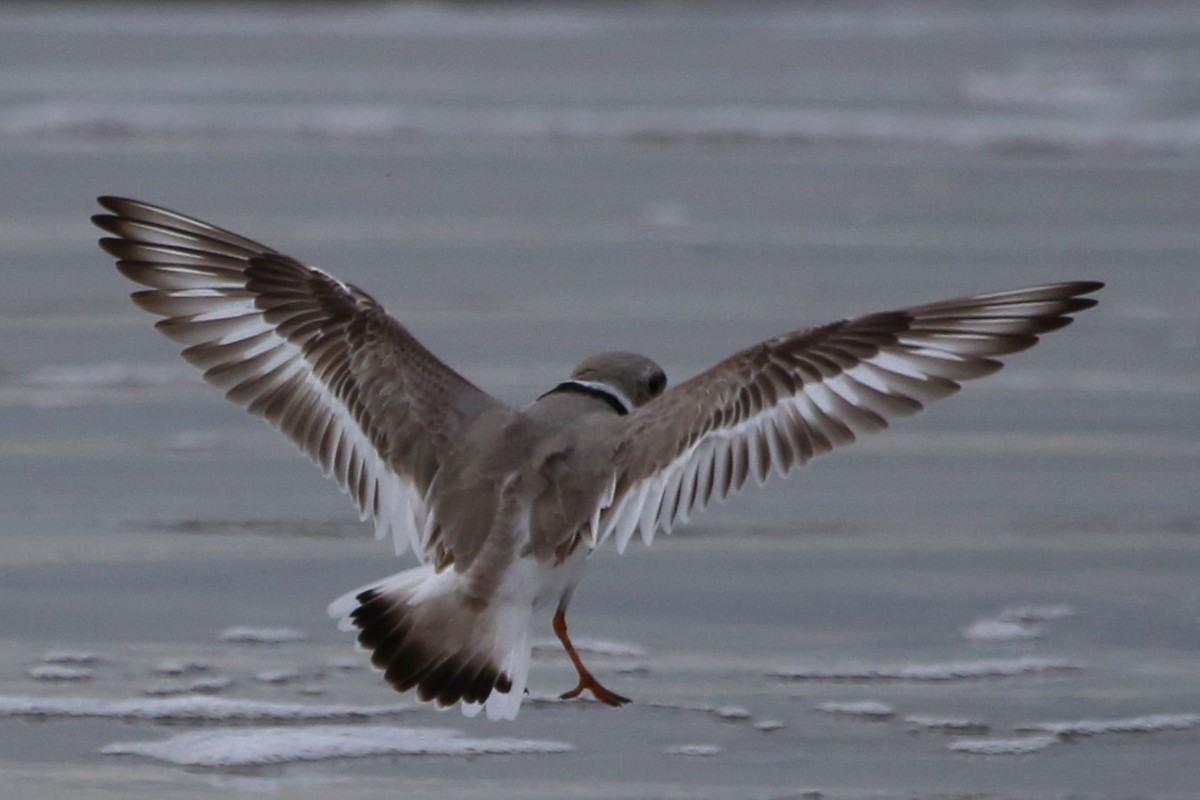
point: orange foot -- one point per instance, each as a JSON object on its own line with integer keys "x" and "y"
{"x": 590, "y": 684}
{"x": 586, "y": 681}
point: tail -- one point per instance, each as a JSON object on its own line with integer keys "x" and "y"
{"x": 424, "y": 633}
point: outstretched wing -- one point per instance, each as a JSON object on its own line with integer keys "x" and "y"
{"x": 317, "y": 358}
{"x": 784, "y": 401}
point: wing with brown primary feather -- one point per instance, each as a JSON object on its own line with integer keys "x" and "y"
{"x": 317, "y": 358}
{"x": 784, "y": 401}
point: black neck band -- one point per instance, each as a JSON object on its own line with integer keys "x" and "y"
{"x": 574, "y": 387}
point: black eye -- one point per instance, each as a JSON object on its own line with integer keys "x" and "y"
{"x": 656, "y": 384}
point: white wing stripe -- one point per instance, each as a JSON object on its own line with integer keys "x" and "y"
{"x": 648, "y": 519}
{"x": 721, "y": 471}
{"x": 897, "y": 363}
{"x": 838, "y": 400}
{"x": 625, "y": 520}
{"x": 778, "y": 451}
{"x": 633, "y": 515}
{"x": 258, "y": 367}
{"x": 604, "y": 503}
{"x": 670, "y": 498}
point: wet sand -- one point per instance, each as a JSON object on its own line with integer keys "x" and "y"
{"x": 141, "y": 516}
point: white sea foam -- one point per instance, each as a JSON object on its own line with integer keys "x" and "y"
{"x": 186, "y": 709}
{"x": 871, "y": 709}
{"x": 947, "y": 724}
{"x": 1148, "y": 723}
{"x": 250, "y": 747}
{"x": 1000, "y": 630}
{"x": 247, "y": 634}
{"x": 726, "y": 713}
{"x": 1017, "y": 623}
{"x": 1018, "y": 746}
{"x": 693, "y": 750}
{"x": 937, "y": 671}
{"x": 59, "y": 672}
{"x": 731, "y": 712}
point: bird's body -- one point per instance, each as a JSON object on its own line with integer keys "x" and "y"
{"x": 503, "y": 505}
{"x": 512, "y": 502}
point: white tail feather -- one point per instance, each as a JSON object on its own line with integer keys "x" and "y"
{"x": 421, "y": 616}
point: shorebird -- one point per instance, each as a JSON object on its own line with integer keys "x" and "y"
{"x": 503, "y": 505}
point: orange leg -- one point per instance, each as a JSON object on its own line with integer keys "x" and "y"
{"x": 586, "y": 680}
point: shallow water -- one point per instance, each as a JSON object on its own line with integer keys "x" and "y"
{"x": 1013, "y": 572}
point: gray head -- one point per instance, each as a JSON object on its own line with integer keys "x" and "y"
{"x": 635, "y": 377}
